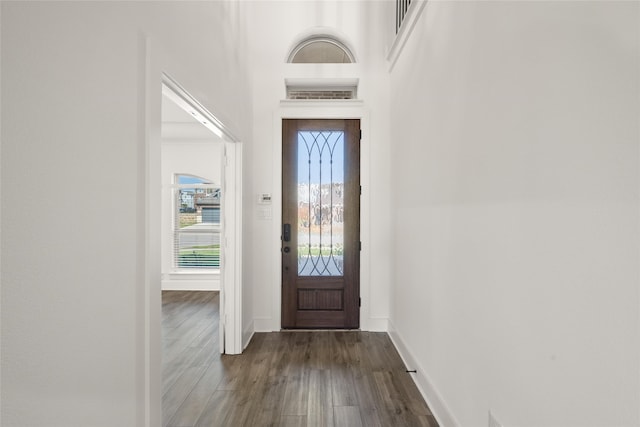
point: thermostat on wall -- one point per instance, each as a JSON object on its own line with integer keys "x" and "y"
{"x": 264, "y": 199}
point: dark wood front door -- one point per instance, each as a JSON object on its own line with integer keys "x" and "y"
{"x": 321, "y": 224}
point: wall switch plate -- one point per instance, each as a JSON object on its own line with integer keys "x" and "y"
{"x": 492, "y": 421}
{"x": 264, "y": 199}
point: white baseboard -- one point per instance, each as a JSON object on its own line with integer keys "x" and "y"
{"x": 247, "y": 334}
{"x": 376, "y": 324}
{"x": 264, "y": 325}
{"x": 370, "y": 325}
{"x": 191, "y": 285}
{"x": 437, "y": 405}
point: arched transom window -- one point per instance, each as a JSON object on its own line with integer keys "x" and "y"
{"x": 321, "y": 50}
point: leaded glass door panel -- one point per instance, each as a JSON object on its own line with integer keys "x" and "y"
{"x": 321, "y": 223}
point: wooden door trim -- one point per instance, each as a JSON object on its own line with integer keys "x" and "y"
{"x": 270, "y": 320}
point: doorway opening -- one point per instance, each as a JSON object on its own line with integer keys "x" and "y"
{"x": 201, "y": 207}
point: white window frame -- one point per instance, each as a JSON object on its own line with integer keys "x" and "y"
{"x": 217, "y": 228}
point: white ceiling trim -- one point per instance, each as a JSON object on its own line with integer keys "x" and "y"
{"x": 176, "y": 93}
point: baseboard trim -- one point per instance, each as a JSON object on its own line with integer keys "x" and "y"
{"x": 191, "y": 285}
{"x": 372, "y": 324}
{"x": 376, "y": 324}
{"x": 264, "y": 325}
{"x": 430, "y": 394}
{"x": 247, "y": 334}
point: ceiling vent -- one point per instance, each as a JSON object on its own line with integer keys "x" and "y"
{"x": 319, "y": 89}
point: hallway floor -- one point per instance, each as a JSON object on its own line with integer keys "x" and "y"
{"x": 306, "y": 378}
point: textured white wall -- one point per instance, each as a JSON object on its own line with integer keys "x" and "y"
{"x": 516, "y": 208}
{"x": 276, "y": 27}
{"x": 73, "y": 172}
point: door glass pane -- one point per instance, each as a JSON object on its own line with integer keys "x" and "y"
{"x": 320, "y": 203}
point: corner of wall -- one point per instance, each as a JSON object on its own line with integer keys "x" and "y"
{"x": 265, "y": 325}
{"x": 247, "y": 334}
{"x": 377, "y": 324}
{"x": 426, "y": 387}
{"x": 413, "y": 14}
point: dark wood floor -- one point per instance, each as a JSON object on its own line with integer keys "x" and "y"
{"x": 309, "y": 378}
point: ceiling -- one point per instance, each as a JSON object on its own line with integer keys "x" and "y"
{"x": 178, "y": 124}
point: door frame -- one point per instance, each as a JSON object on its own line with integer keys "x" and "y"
{"x": 342, "y": 109}
{"x": 231, "y": 263}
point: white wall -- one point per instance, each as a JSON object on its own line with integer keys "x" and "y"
{"x": 284, "y": 23}
{"x": 80, "y": 89}
{"x": 516, "y": 234}
{"x": 200, "y": 158}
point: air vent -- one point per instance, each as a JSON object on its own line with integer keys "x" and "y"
{"x": 343, "y": 93}
{"x": 323, "y": 88}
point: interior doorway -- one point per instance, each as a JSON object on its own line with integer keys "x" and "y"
{"x": 216, "y": 258}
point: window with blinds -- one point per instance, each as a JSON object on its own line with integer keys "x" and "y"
{"x": 197, "y": 223}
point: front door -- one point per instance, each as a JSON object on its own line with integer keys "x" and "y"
{"x": 321, "y": 224}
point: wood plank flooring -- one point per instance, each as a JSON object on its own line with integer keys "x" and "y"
{"x": 288, "y": 379}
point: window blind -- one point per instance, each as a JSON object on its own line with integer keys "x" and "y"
{"x": 196, "y": 235}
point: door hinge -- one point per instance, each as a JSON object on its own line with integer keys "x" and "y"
{"x": 360, "y": 134}
{"x": 360, "y": 245}
{"x": 361, "y": 190}
{"x": 359, "y": 302}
